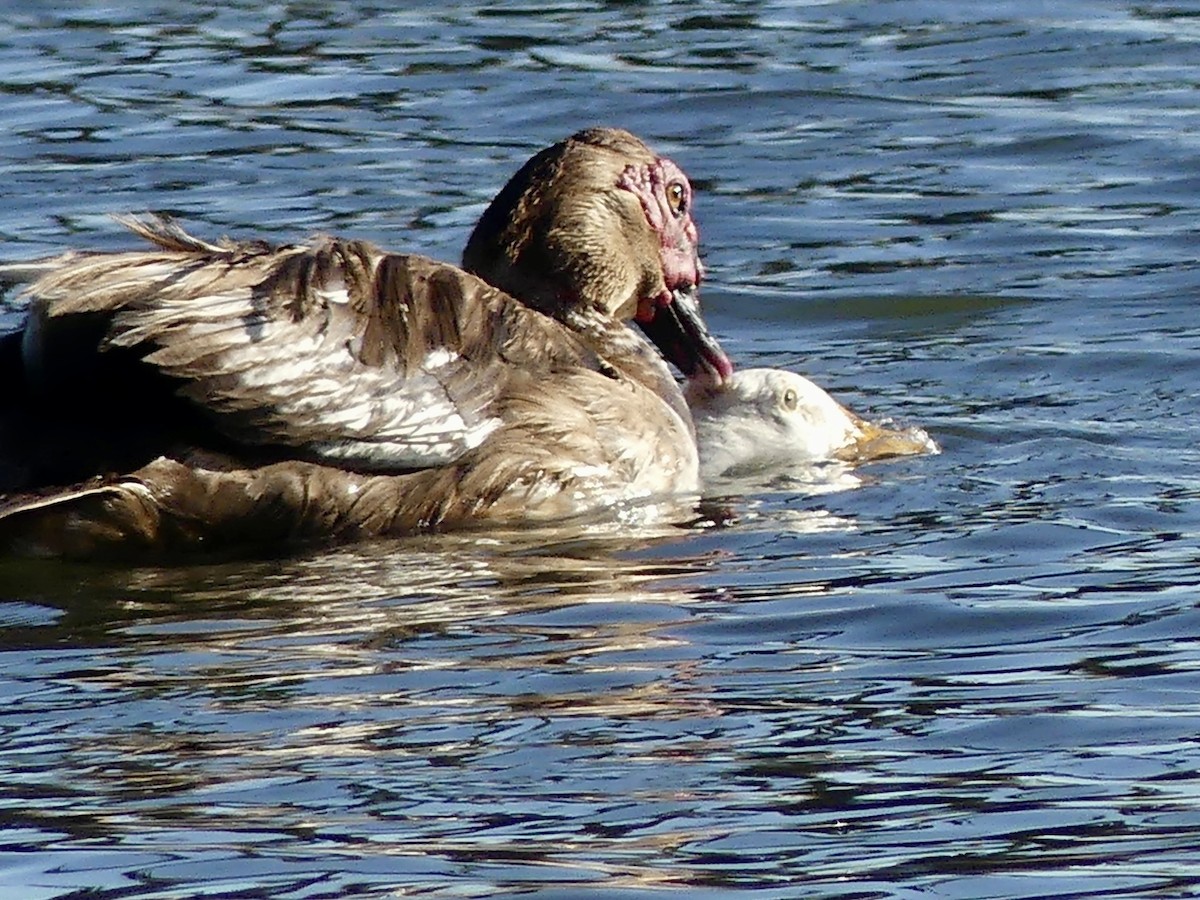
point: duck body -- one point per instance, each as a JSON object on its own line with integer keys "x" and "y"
{"x": 195, "y": 395}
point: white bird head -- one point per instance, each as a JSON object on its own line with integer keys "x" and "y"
{"x": 763, "y": 419}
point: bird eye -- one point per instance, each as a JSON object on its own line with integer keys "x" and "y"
{"x": 790, "y": 400}
{"x": 677, "y": 198}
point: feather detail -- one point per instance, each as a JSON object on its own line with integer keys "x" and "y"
{"x": 260, "y": 394}
{"x": 333, "y": 348}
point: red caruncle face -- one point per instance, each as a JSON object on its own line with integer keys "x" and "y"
{"x": 666, "y": 198}
{"x": 672, "y": 319}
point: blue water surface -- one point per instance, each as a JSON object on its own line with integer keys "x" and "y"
{"x": 972, "y": 675}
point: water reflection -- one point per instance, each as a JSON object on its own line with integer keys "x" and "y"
{"x": 514, "y": 706}
{"x": 238, "y": 700}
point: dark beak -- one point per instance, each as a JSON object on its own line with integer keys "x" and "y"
{"x": 679, "y": 332}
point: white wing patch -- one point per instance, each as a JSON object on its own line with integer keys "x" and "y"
{"x": 438, "y": 358}
{"x": 302, "y": 347}
{"x": 335, "y": 294}
{"x": 307, "y": 379}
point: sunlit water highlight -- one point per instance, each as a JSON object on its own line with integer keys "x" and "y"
{"x": 972, "y": 675}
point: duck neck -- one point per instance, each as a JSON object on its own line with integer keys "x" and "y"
{"x": 632, "y": 355}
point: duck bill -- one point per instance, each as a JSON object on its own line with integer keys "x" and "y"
{"x": 678, "y": 330}
{"x": 880, "y": 442}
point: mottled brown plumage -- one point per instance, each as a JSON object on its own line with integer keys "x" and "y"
{"x": 232, "y": 394}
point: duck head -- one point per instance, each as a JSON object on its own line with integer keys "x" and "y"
{"x": 598, "y": 228}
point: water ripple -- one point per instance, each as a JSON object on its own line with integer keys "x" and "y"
{"x": 965, "y": 675}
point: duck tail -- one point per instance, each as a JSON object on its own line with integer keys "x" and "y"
{"x": 168, "y": 508}
{"x": 160, "y": 231}
{"x": 80, "y": 522}
{"x": 20, "y": 272}
{"x": 166, "y": 234}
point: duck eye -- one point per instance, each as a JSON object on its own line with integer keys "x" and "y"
{"x": 790, "y": 400}
{"x": 677, "y": 198}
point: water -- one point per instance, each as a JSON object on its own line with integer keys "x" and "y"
{"x": 972, "y": 676}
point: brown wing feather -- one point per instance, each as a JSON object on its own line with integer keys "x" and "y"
{"x": 335, "y": 348}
